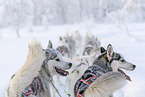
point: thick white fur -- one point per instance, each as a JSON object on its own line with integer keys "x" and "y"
{"x": 88, "y": 60}
{"x": 105, "y": 85}
{"x": 30, "y": 70}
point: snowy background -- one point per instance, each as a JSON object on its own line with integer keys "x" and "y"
{"x": 119, "y": 22}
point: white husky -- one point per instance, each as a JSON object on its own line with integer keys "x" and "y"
{"x": 34, "y": 79}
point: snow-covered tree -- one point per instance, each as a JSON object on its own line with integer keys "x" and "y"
{"x": 20, "y": 13}
{"x": 16, "y": 13}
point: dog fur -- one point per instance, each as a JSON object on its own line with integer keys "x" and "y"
{"x": 33, "y": 68}
{"x": 105, "y": 85}
{"x": 109, "y": 81}
{"x": 70, "y": 43}
{"x": 80, "y": 64}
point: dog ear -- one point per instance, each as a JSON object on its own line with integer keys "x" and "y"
{"x": 60, "y": 38}
{"x": 102, "y": 50}
{"x": 49, "y": 44}
{"x": 66, "y": 39}
{"x": 110, "y": 50}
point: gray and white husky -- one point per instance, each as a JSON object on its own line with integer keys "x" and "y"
{"x": 92, "y": 44}
{"x": 105, "y": 75}
{"x": 34, "y": 79}
{"x": 68, "y": 44}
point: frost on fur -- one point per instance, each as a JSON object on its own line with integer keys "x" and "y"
{"x": 105, "y": 85}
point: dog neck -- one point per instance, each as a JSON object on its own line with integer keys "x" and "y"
{"x": 44, "y": 70}
{"x": 103, "y": 62}
{"x": 38, "y": 82}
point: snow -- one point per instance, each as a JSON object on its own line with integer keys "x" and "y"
{"x": 119, "y": 22}
{"x": 128, "y": 40}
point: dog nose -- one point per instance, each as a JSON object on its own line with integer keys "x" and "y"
{"x": 70, "y": 64}
{"x": 134, "y": 66}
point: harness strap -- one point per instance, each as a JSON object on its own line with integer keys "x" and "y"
{"x": 33, "y": 88}
{"x": 84, "y": 84}
{"x": 55, "y": 88}
{"x": 23, "y": 95}
{"x": 89, "y": 76}
{"x": 50, "y": 78}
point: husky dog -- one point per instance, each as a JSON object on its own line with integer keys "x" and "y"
{"x": 104, "y": 76}
{"x": 63, "y": 46}
{"x": 68, "y": 44}
{"x": 34, "y": 79}
{"x": 92, "y": 44}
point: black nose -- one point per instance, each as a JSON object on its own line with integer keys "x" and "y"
{"x": 134, "y": 66}
{"x": 70, "y": 64}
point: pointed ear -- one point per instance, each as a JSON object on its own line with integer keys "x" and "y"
{"x": 110, "y": 50}
{"x": 49, "y": 44}
{"x": 102, "y": 50}
{"x": 60, "y": 38}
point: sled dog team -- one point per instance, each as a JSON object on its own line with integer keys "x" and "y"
{"x": 96, "y": 72}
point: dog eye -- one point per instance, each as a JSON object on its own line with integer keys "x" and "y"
{"x": 46, "y": 53}
{"x": 122, "y": 60}
{"x": 57, "y": 59}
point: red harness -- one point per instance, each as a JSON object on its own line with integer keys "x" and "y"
{"x": 89, "y": 76}
{"x": 87, "y": 81}
{"x": 33, "y": 88}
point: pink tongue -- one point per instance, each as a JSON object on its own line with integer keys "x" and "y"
{"x": 65, "y": 72}
{"x": 127, "y": 77}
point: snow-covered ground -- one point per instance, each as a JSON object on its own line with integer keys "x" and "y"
{"x": 13, "y": 50}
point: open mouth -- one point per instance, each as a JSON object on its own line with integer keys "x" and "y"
{"x": 61, "y": 72}
{"x": 123, "y": 73}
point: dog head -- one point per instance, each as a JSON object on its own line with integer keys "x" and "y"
{"x": 117, "y": 62}
{"x": 56, "y": 64}
{"x": 92, "y": 44}
{"x": 63, "y": 46}
{"x": 66, "y": 46}
{"x": 63, "y": 41}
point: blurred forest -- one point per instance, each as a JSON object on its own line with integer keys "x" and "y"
{"x": 28, "y": 13}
